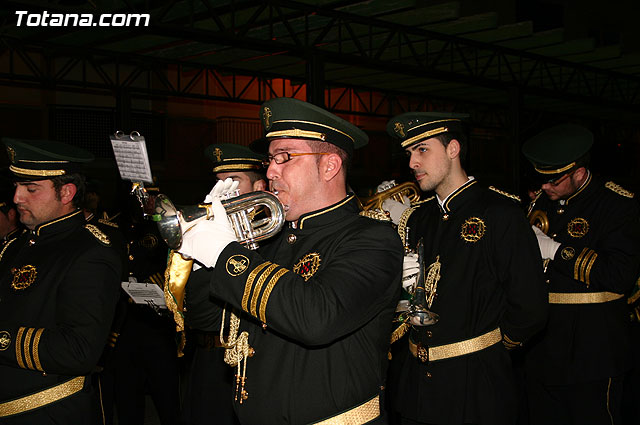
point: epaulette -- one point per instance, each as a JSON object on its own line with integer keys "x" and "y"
{"x": 507, "y": 194}
{"x": 107, "y": 222}
{"x": 618, "y": 189}
{"x": 98, "y": 234}
{"x": 375, "y": 214}
{"x": 415, "y": 204}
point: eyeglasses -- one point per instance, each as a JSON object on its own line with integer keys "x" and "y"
{"x": 556, "y": 182}
{"x": 282, "y": 157}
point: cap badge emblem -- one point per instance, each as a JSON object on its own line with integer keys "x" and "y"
{"x": 12, "y": 154}
{"x": 237, "y": 264}
{"x": 266, "y": 116}
{"x": 399, "y": 129}
{"x": 23, "y": 277}
{"x": 308, "y": 265}
{"x": 578, "y": 227}
{"x": 218, "y": 154}
{"x": 473, "y": 229}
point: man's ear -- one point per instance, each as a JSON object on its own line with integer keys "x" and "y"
{"x": 259, "y": 185}
{"x": 580, "y": 173}
{"x": 67, "y": 192}
{"x": 453, "y": 149}
{"x": 330, "y": 166}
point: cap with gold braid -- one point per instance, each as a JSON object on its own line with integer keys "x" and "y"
{"x": 228, "y": 157}
{"x": 413, "y": 127}
{"x": 286, "y": 117}
{"x": 43, "y": 159}
{"x": 558, "y": 150}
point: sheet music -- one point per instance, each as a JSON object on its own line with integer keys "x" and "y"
{"x": 131, "y": 156}
{"x": 145, "y": 293}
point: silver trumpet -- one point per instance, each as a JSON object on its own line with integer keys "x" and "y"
{"x": 240, "y": 210}
{"x": 417, "y": 313}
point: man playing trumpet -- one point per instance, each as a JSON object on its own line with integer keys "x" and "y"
{"x": 318, "y": 300}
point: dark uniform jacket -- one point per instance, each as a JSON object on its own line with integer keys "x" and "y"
{"x": 326, "y": 292}
{"x": 600, "y": 252}
{"x": 491, "y": 276}
{"x": 58, "y": 288}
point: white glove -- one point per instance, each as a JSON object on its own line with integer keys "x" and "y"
{"x": 205, "y": 241}
{"x": 221, "y": 188}
{"x": 385, "y": 185}
{"x": 547, "y": 245}
{"x": 410, "y": 269}
{"x": 395, "y": 208}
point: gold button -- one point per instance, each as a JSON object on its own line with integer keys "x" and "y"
{"x": 428, "y": 374}
{"x": 32, "y": 242}
{"x": 429, "y": 334}
{"x": 445, "y": 217}
{"x": 292, "y": 238}
{"x": 131, "y": 257}
{"x": 554, "y": 235}
{"x": 548, "y": 281}
{"x": 560, "y": 211}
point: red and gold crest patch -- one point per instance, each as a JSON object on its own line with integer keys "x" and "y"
{"x": 473, "y": 229}
{"x": 578, "y": 227}
{"x": 308, "y": 265}
{"x": 23, "y": 277}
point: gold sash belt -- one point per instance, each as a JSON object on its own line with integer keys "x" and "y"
{"x": 367, "y": 411}
{"x": 583, "y": 297}
{"x": 42, "y": 398}
{"x": 455, "y": 349}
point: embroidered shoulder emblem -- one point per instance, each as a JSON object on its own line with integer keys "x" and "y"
{"x": 375, "y": 214}
{"x": 507, "y": 194}
{"x": 97, "y": 233}
{"x": 308, "y": 265}
{"x": 23, "y": 277}
{"x": 5, "y": 340}
{"x": 618, "y": 189}
{"x": 473, "y": 229}
{"x": 578, "y": 227}
{"x": 237, "y": 264}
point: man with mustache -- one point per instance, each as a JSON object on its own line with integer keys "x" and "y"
{"x": 318, "y": 300}
{"x": 575, "y": 370}
{"x": 483, "y": 279}
{"x": 59, "y": 284}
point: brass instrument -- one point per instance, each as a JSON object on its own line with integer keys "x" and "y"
{"x": 417, "y": 313}
{"x": 239, "y": 210}
{"x": 539, "y": 219}
{"x": 392, "y": 191}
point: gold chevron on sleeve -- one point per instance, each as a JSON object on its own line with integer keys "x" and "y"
{"x": 576, "y": 266}
{"x": 27, "y": 348}
{"x": 267, "y": 293}
{"x": 587, "y": 273}
{"x": 19, "y": 348}
{"x": 36, "y": 352}
{"x": 258, "y": 287}
{"x": 249, "y": 284}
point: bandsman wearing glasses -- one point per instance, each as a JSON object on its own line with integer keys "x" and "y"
{"x": 482, "y": 278}
{"x": 588, "y": 234}
{"x": 317, "y": 300}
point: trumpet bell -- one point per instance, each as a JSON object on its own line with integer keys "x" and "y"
{"x": 170, "y": 219}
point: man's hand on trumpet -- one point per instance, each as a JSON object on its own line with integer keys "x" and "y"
{"x": 221, "y": 189}
{"x": 205, "y": 241}
{"x": 393, "y": 207}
